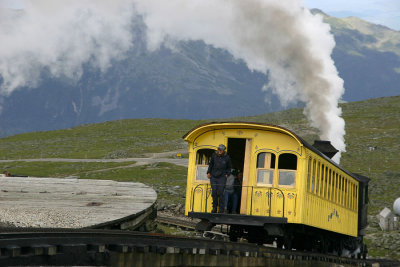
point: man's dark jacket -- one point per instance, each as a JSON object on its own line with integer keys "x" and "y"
{"x": 219, "y": 166}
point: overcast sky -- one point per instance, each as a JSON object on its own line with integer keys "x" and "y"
{"x": 384, "y": 12}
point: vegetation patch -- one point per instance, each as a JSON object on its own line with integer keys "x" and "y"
{"x": 116, "y": 139}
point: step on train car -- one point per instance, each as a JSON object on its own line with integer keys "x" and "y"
{"x": 292, "y": 193}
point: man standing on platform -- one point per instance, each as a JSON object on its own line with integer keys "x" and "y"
{"x": 219, "y": 169}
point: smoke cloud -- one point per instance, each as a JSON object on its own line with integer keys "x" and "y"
{"x": 279, "y": 38}
{"x": 60, "y": 36}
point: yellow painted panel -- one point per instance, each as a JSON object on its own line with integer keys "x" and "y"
{"x": 274, "y": 202}
{"x": 326, "y": 215}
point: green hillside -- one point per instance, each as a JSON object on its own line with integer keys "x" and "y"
{"x": 372, "y": 138}
{"x": 115, "y": 139}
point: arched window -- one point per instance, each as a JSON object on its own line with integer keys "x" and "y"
{"x": 265, "y": 168}
{"x": 336, "y": 188}
{"x": 318, "y": 180}
{"x": 313, "y": 183}
{"x": 309, "y": 175}
{"x": 287, "y": 165}
{"x": 203, "y": 157}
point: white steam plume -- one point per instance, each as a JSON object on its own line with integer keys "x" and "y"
{"x": 60, "y": 36}
{"x": 279, "y": 38}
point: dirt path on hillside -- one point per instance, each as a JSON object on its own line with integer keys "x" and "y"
{"x": 150, "y": 159}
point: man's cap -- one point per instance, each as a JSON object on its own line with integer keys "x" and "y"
{"x": 221, "y": 147}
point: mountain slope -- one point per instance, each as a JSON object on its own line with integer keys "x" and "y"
{"x": 367, "y": 57}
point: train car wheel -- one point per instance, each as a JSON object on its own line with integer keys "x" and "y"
{"x": 324, "y": 246}
{"x": 340, "y": 247}
{"x": 235, "y": 232}
{"x": 364, "y": 251}
{"x": 288, "y": 242}
{"x": 257, "y": 235}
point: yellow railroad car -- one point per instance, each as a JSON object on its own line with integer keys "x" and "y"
{"x": 292, "y": 193}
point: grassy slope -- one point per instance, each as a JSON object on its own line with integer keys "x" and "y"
{"x": 116, "y": 139}
{"x": 372, "y": 123}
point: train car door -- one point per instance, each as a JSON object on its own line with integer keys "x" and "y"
{"x": 239, "y": 150}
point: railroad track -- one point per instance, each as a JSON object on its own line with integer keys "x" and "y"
{"x": 176, "y": 222}
{"x": 61, "y": 247}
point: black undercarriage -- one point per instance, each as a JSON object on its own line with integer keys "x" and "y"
{"x": 269, "y": 230}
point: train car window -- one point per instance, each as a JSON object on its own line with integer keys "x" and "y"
{"x": 329, "y": 184}
{"x": 322, "y": 189}
{"x": 326, "y": 183}
{"x": 265, "y": 160}
{"x": 345, "y": 192}
{"x": 356, "y": 197}
{"x": 353, "y": 189}
{"x": 353, "y": 195}
{"x": 318, "y": 179}
{"x": 265, "y": 168}
{"x": 313, "y": 176}
{"x": 342, "y": 191}
{"x": 336, "y": 187}
{"x": 350, "y": 195}
{"x": 203, "y": 157}
{"x": 309, "y": 176}
{"x": 287, "y": 161}
{"x": 287, "y": 165}
{"x": 333, "y": 189}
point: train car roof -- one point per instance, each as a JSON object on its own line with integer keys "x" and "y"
{"x": 196, "y": 131}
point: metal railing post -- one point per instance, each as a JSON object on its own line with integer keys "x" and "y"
{"x": 251, "y": 206}
{"x": 269, "y": 201}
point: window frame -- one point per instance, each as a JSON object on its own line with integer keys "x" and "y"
{"x": 266, "y": 169}
{"x": 286, "y": 170}
{"x": 202, "y": 165}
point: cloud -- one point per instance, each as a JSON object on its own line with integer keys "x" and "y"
{"x": 61, "y": 36}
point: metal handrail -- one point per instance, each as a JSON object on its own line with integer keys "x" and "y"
{"x": 207, "y": 189}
